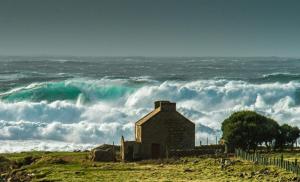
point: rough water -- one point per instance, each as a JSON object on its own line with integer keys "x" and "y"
{"x": 53, "y": 103}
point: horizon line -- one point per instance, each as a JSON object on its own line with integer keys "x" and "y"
{"x": 147, "y": 56}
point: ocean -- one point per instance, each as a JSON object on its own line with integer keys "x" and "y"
{"x": 76, "y": 103}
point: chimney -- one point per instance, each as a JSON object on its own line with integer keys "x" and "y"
{"x": 165, "y": 105}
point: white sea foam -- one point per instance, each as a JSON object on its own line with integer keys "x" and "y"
{"x": 206, "y": 102}
{"x": 10, "y": 146}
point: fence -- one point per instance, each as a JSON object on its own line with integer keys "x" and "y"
{"x": 263, "y": 160}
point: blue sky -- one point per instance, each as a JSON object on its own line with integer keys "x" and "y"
{"x": 150, "y": 28}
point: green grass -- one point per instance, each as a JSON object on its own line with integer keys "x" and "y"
{"x": 74, "y": 166}
{"x": 289, "y": 156}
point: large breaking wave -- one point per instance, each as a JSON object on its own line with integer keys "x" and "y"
{"x": 84, "y": 113}
{"x": 71, "y": 90}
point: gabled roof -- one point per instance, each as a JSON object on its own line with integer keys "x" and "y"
{"x": 185, "y": 118}
{"x": 155, "y": 112}
{"x": 148, "y": 116}
{"x": 161, "y": 106}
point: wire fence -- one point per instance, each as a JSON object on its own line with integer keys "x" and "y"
{"x": 263, "y": 160}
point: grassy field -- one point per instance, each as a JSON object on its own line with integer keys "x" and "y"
{"x": 289, "y": 156}
{"x": 75, "y": 166}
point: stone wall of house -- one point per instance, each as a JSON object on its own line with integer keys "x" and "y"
{"x": 168, "y": 129}
{"x": 130, "y": 150}
{"x": 162, "y": 130}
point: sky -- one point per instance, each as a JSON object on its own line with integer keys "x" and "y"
{"x": 150, "y": 28}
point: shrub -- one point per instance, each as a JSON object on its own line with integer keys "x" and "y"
{"x": 247, "y": 130}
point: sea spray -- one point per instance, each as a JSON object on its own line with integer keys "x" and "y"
{"x": 205, "y": 102}
{"x": 64, "y": 103}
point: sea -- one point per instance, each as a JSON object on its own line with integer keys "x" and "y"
{"x": 77, "y": 103}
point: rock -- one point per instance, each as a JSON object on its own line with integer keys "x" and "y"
{"x": 28, "y": 160}
{"x": 31, "y": 174}
{"x": 222, "y": 166}
{"x": 241, "y": 175}
{"x": 79, "y": 172}
{"x": 184, "y": 161}
{"x": 295, "y": 178}
{"x": 18, "y": 176}
{"x": 266, "y": 172}
{"x": 187, "y": 170}
{"x": 227, "y": 162}
{"x": 3, "y": 177}
{"x": 230, "y": 170}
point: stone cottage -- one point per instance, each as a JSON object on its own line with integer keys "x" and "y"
{"x": 161, "y": 130}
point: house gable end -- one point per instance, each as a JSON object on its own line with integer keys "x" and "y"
{"x": 147, "y": 117}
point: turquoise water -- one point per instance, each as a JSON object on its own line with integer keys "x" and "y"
{"x": 70, "y": 90}
{"x": 75, "y": 101}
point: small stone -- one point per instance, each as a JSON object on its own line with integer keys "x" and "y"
{"x": 230, "y": 170}
{"x": 184, "y": 160}
{"x": 266, "y": 172}
{"x": 78, "y": 172}
{"x": 187, "y": 170}
{"x": 31, "y": 174}
{"x": 295, "y": 178}
{"x": 195, "y": 161}
{"x": 241, "y": 175}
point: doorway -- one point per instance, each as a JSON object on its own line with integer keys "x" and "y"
{"x": 155, "y": 150}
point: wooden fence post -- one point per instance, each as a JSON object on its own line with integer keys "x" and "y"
{"x": 263, "y": 160}
{"x": 295, "y": 167}
{"x": 281, "y": 161}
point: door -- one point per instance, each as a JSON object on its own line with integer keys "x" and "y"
{"x": 129, "y": 156}
{"x": 155, "y": 150}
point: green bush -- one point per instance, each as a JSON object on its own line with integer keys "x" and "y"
{"x": 247, "y": 130}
